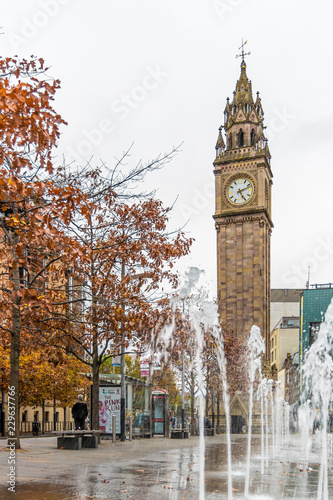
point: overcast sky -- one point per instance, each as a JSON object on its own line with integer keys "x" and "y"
{"x": 157, "y": 74}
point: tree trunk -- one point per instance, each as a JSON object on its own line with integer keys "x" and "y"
{"x": 13, "y": 393}
{"x": 218, "y": 413}
{"x": 95, "y": 379}
{"x": 192, "y": 404}
{"x": 207, "y": 395}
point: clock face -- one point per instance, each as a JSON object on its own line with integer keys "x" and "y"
{"x": 240, "y": 191}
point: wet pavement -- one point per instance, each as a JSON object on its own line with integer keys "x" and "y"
{"x": 158, "y": 469}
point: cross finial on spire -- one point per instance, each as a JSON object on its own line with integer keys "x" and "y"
{"x": 243, "y": 54}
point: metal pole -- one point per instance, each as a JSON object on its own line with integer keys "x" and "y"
{"x": 183, "y": 383}
{"x": 43, "y": 416}
{"x": 150, "y": 392}
{"x": 91, "y": 408}
{"x": 130, "y": 430}
{"x": 114, "y": 430}
{"x": 122, "y": 394}
{"x": 213, "y": 410}
{"x": 122, "y": 373}
{"x": 183, "y": 395}
{"x": 54, "y": 414}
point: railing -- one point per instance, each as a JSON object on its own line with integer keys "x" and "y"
{"x": 26, "y": 427}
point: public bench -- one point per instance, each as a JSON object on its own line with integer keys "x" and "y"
{"x": 179, "y": 433}
{"x": 76, "y": 440}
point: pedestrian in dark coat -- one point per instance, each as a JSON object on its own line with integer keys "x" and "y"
{"x": 79, "y": 413}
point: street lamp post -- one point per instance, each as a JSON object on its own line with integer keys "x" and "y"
{"x": 122, "y": 372}
{"x": 183, "y": 395}
{"x": 122, "y": 392}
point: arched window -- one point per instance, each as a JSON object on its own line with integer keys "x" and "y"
{"x": 230, "y": 142}
{"x": 240, "y": 138}
{"x": 253, "y": 136}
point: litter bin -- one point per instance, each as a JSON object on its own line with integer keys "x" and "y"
{"x": 35, "y": 428}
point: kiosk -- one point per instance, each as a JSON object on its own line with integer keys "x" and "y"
{"x": 160, "y": 408}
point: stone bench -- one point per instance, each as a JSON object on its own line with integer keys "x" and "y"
{"x": 179, "y": 434}
{"x": 76, "y": 440}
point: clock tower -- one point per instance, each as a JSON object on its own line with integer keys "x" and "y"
{"x": 243, "y": 182}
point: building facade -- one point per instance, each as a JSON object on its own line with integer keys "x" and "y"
{"x": 314, "y": 302}
{"x": 284, "y": 340}
{"x": 284, "y": 303}
{"x": 243, "y": 182}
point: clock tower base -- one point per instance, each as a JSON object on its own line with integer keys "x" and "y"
{"x": 243, "y": 273}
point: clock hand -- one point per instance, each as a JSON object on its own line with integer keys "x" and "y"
{"x": 240, "y": 192}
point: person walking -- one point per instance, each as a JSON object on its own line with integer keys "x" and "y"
{"x": 79, "y": 413}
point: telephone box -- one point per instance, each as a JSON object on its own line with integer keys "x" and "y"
{"x": 160, "y": 407}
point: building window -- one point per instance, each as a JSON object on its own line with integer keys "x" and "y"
{"x": 240, "y": 138}
{"x": 47, "y": 416}
{"x": 24, "y": 416}
{"x": 253, "y": 135}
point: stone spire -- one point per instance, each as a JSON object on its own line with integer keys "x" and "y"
{"x": 243, "y": 119}
{"x": 243, "y": 92}
{"x": 220, "y": 145}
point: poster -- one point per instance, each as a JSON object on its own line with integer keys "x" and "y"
{"x": 109, "y": 405}
{"x": 144, "y": 368}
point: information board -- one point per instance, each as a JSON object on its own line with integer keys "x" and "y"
{"x": 109, "y": 405}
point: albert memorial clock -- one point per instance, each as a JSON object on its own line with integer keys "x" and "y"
{"x": 243, "y": 181}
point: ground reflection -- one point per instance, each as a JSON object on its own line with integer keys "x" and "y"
{"x": 173, "y": 474}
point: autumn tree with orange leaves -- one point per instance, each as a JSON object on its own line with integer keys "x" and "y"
{"x": 82, "y": 255}
{"x": 32, "y": 203}
{"x": 46, "y": 374}
{"x": 128, "y": 252}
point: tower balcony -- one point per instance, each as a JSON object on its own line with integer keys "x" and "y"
{"x": 240, "y": 154}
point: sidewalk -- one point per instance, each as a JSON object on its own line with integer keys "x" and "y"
{"x": 140, "y": 469}
{"x": 157, "y": 469}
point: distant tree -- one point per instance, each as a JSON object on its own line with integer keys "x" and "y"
{"x": 46, "y": 375}
{"x": 132, "y": 366}
{"x": 236, "y": 350}
{"x": 176, "y": 341}
{"x": 166, "y": 379}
